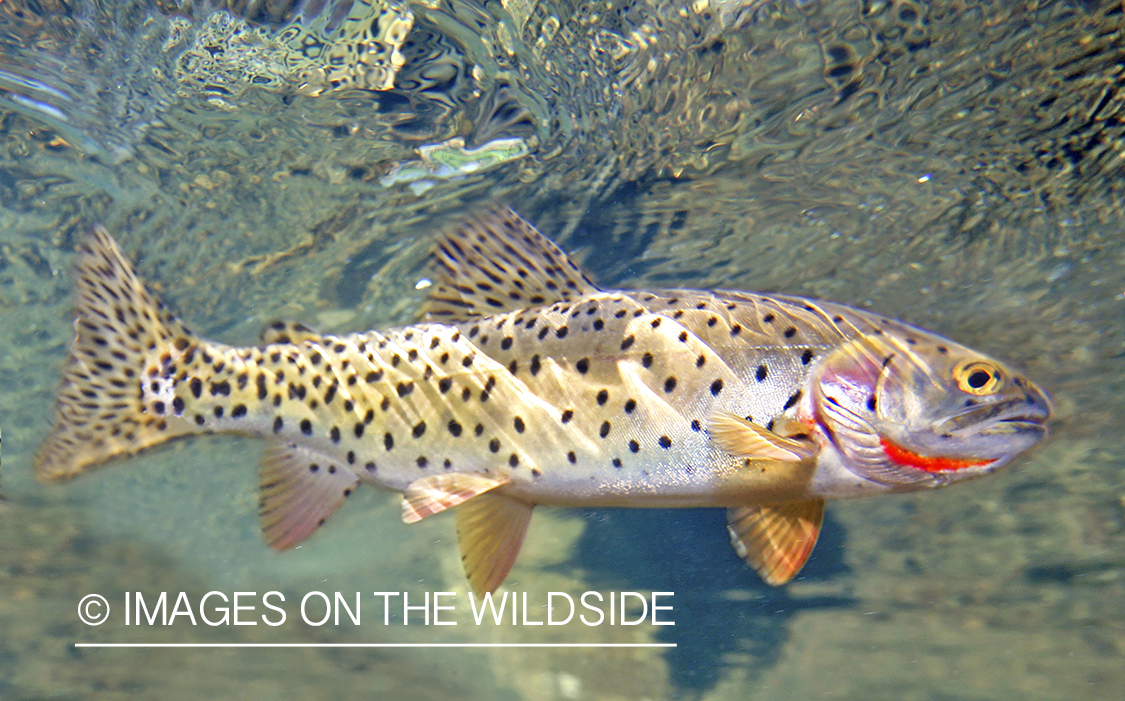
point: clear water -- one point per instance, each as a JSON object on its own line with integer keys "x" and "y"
{"x": 959, "y": 167}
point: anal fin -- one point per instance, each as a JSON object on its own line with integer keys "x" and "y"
{"x": 776, "y": 539}
{"x": 491, "y": 529}
{"x": 300, "y": 488}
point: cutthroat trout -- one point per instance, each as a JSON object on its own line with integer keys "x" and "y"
{"x": 528, "y": 384}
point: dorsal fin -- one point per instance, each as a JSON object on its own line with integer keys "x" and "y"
{"x": 287, "y": 332}
{"x": 495, "y": 262}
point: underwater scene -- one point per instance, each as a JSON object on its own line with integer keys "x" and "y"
{"x": 284, "y": 174}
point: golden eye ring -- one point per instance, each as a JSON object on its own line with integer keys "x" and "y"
{"x": 976, "y": 377}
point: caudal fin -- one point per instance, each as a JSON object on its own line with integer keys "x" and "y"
{"x": 123, "y": 338}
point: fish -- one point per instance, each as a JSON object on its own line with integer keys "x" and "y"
{"x": 527, "y": 384}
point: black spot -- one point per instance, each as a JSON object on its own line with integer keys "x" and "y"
{"x": 334, "y": 434}
{"x": 543, "y": 333}
{"x": 479, "y": 429}
{"x": 314, "y": 468}
{"x": 454, "y": 428}
{"x": 178, "y": 405}
{"x": 665, "y": 442}
{"x": 760, "y": 375}
{"x": 466, "y": 394}
{"x": 370, "y": 467}
{"x": 711, "y": 321}
{"x": 467, "y": 361}
{"x": 669, "y": 385}
{"x": 388, "y": 440}
{"x": 519, "y": 425}
{"x": 514, "y": 460}
{"x": 534, "y": 365}
{"x": 199, "y": 419}
{"x": 646, "y": 360}
{"x": 617, "y": 462}
{"x": 871, "y": 403}
{"x": 351, "y": 457}
{"x": 306, "y": 427}
{"x": 790, "y": 332}
{"x": 603, "y": 397}
{"x": 769, "y": 318}
{"x": 494, "y": 445}
{"x": 560, "y": 333}
{"x": 806, "y": 357}
{"x": 583, "y": 366}
{"x": 567, "y": 416}
{"x": 716, "y": 387}
{"x": 700, "y": 361}
{"x": 315, "y": 359}
{"x": 419, "y": 429}
{"x": 237, "y": 412}
{"x": 513, "y": 367}
{"x": 506, "y": 343}
{"x": 278, "y": 424}
{"x": 630, "y": 405}
{"x": 683, "y": 337}
{"x": 422, "y": 461}
{"x": 598, "y": 324}
{"x": 196, "y": 387}
{"x": 736, "y": 329}
{"x": 572, "y": 457}
{"x": 627, "y": 343}
{"x": 695, "y": 425}
{"x": 634, "y": 446}
{"x": 261, "y": 381}
{"x": 444, "y": 384}
{"x": 374, "y": 376}
{"x": 158, "y": 407}
{"x": 358, "y": 430}
{"x": 656, "y": 323}
{"x": 793, "y": 399}
{"x": 405, "y": 388}
{"x": 348, "y": 405}
{"x": 330, "y": 394}
{"x": 218, "y": 412}
{"x": 604, "y": 430}
{"x": 621, "y": 314}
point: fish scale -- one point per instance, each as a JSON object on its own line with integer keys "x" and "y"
{"x": 530, "y": 385}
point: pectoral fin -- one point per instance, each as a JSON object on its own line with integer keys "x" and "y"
{"x": 777, "y": 539}
{"x": 432, "y": 495}
{"x": 491, "y": 528}
{"x": 745, "y": 439}
{"x": 300, "y": 488}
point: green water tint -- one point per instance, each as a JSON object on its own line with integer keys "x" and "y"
{"x": 955, "y": 167}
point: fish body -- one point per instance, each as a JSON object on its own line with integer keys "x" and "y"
{"x": 530, "y": 385}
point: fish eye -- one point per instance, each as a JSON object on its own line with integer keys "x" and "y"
{"x": 977, "y": 377}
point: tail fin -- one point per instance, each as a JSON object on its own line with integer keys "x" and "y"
{"x": 123, "y": 338}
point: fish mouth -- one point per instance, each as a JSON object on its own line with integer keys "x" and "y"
{"x": 1024, "y": 414}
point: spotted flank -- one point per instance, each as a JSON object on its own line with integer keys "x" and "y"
{"x": 528, "y": 384}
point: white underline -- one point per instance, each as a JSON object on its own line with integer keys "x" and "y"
{"x": 299, "y": 645}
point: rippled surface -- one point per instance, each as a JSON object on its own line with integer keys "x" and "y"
{"x": 959, "y": 167}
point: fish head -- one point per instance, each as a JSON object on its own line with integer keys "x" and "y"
{"x": 909, "y": 409}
